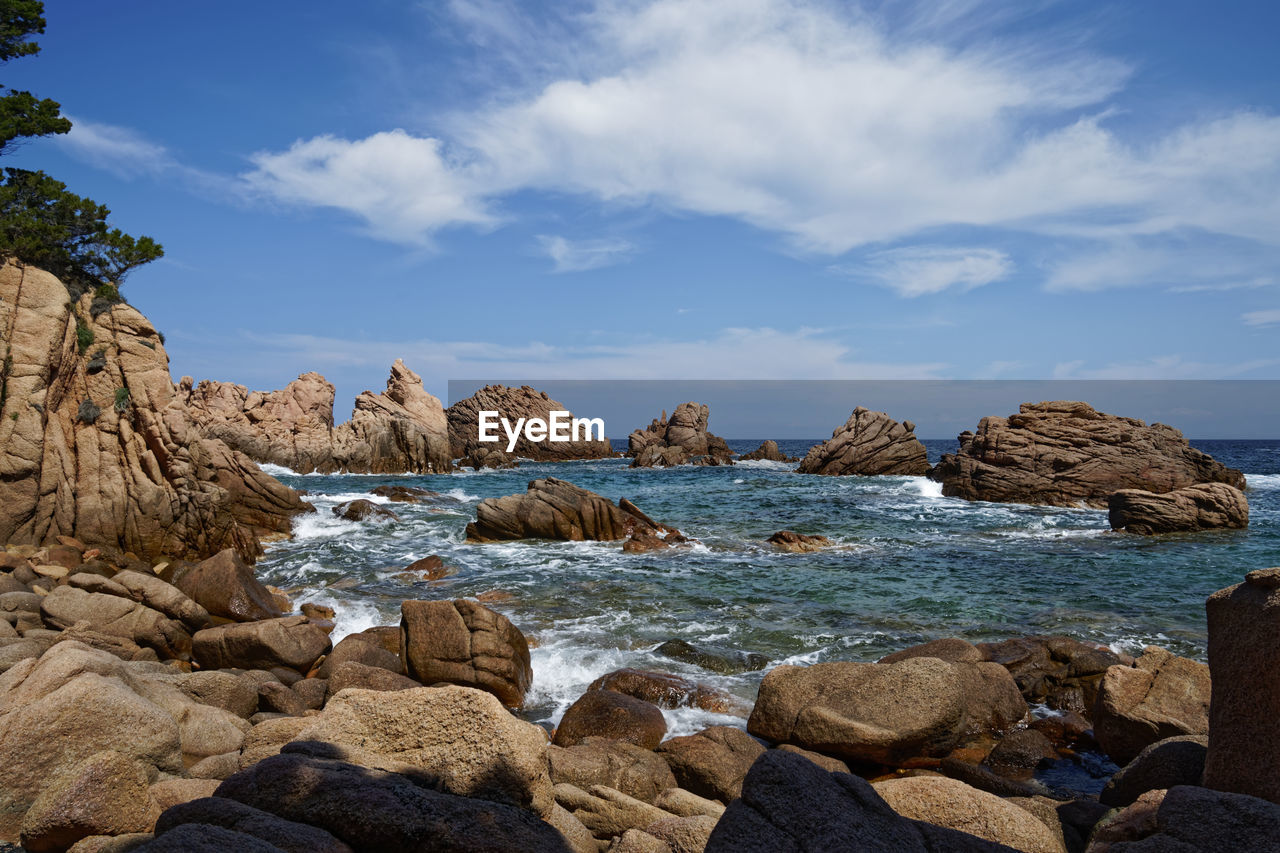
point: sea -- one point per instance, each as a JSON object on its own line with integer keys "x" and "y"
{"x": 908, "y": 565}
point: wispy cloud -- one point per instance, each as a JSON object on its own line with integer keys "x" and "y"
{"x": 1269, "y": 317}
{"x": 129, "y": 155}
{"x": 919, "y": 270}
{"x": 1162, "y": 367}
{"x": 580, "y": 255}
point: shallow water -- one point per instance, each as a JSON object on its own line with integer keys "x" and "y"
{"x": 910, "y": 566}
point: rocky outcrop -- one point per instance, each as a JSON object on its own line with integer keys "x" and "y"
{"x": 555, "y": 509}
{"x": 94, "y": 443}
{"x": 767, "y": 452}
{"x": 868, "y": 443}
{"x": 615, "y": 716}
{"x": 682, "y": 438}
{"x": 1188, "y": 818}
{"x": 713, "y": 762}
{"x": 1160, "y": 696}
{"x": 1065, "y": 453}
{"x": 1060, "y": 672}
{"x": 401, "y": 430}
{"x": 463, "y": 642}
{"x": 955, "y": 805}
{"x": 1204, "y": 506}
{"x": 798, "y": 543}
{"x": 1244, "y": 655}
{"x": 513, "y": 404}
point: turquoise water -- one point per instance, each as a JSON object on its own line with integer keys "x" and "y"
{"x": 909, "y": 566}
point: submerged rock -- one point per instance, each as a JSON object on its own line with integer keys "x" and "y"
{"x": 798, "y": 543}
{"x": 513, "y": 404}
{"x": 361, "y": 509}
{"x": 1204, "y": 506}
{"x": 1065, "y": 453}
{"x": 868, "y": 443}
{"x": 724, "y": 661}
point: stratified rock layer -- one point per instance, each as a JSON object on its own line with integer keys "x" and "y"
{"x": 1204, "y": 506}
{"x": 95, "y": 445}
{"x": 403, "y": 429}
{"x": 868, "y": 443}
{"x": 1065, "y": 453}
{"x": 512, "y": 404}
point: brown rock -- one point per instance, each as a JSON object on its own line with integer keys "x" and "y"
{"x": 361, "y": 510}
{"x": 552, "y": 509}
{"x": 868, "y": 443}
{"x": 1204, "y": 506}
{"x": 67, "y": 607}
{"x": 431, "y": 568}
{"x": 360, "y": 648}
{"x": 269, "y": 736}
{"x": 826, "y": 762}
{"x": 290, "y": 641}
{"x": 105, "y": 794}
{"x": 625, "y": 767}
{"x": 713, "y": 762}
{"x": 140, "y": 478}
{"x": 1162, "y": 765}
{"x": 352, "y": 674}
{"x": 173, "y": 792}
{"x": 604, "y": 713}
{"x": 1066, "y": 453}
{"x": 1057, "y": 671}
{"x": 225, "y": 690}
{"x": 1021, "y": 749}
{"x": 225, "y": 586}
{"x": 1191, "y": 818}
{"x": 514, "y": 403}
{"x": 683, "y": 834}
{"x": 951, "y": 649}
{"x": 606, "y": 812}
{"x": 276, "y": 697}
{"x": 681, "y": 439}
{"x": 670, "y": 691}
{"x": 954, "y": 805}
{"x": 678, "y": 801}
{"x": 463, "y": 642}
{"x": 768, "y": 452}
{"x": 404, "y": 494}
{"x": 1160, "y": 696}
{"x": 798, "y": 543}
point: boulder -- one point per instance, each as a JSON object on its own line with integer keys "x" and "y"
{"x": 886, "y": 713}
{"x": 463, "y": 642}
{"x": 402, "y": 429}
{"x": 1065, "y": 453}
{"x": 826, "y": 762}
{"x": 723, "y": 661}
{"x": 952, "y": 649}
{"x": 512, "y": 404}
{"x": 1204, "y": 506}
{"x": 67, "y": 606}
{"x": 1056, "y": 671}
{"x": 1021, "y": 750}
{"x": 164, "y": 597}
{"x": 670, "y": 691}
{"x": 287, "y": 835}
{"x": 363, "y": 510}
{"x": 1160, "y": 696}
{"x": 686, "y": 429}
{"x": 289, "y": 641}
{"x": 481, "y": 456}
{"x": 946, "y": 802}
{"x": 135, "y": 476}
{"x": 678, "y": 801}
{"x": 173, "y": 792}
{"x": 1244, "y": 655}
{"x": 202, "y": 838}
{"x": 268, "y": 737}
{"x": 633, "y": 770}
{"x": 798, "y": 543}
{"x": 404, "y": 494}
{"x": 788, "y": 803}
{"x": 1199, "y": 819}
{"x": 105, "y": 794}
{"x": 553, "y": 509}
{"x": 661, "y": 456}
{"x": 363, "y": 649}
{"x": 637, "y": 841}
{"x": 713, "y": 762}
{"x": 868, "y": 443}
{"x": 767, "y": 452}
{"x": 1164, "y": 764}
{"x": 358, "y": 675}
{"x": 376, "y": 810}
{"x": 616, "y": 716}
{"x": 683, "y": 834}
{"x": 225, "y": 586}
{"x": 461, "y": 738}
{"x": 606, "y": 812}
{"x": 225, "y": 690}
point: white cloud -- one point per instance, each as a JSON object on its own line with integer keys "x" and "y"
{"x": 919, "y": 270}
{"x": 1270, "y": 317}
{"x": 1162, "y": 367}
{"x": 579, "y": 255}
{"x": 119, "y": 150}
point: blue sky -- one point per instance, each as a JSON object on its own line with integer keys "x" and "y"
{"x": 704, "y": 189}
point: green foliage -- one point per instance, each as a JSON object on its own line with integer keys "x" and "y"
{"x": 19, "y": 20}
{"x": 107, "y": 291}
{"x": 160, "y": 335}
{"x": 123, "y": 397}
{"x": 84, "y": 336}
{"x": 22, "y": 114}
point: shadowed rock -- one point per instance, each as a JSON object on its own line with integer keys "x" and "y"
{"x": 1160, "y": 696}
{"x": 1204, "y": 506}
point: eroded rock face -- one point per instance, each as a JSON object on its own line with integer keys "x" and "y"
{"x": 463, "y": 642}
{"x": 1065, "y": 453}
{"x": 401, "y": 430}
{"x": 1160, "y": 696}
{"x": 679, "y": 439}
{"x": 555, "y": 509}
{"x": 868, "y": 443}
{"x": 108, "y": 454}
{"x": 1204, "y": 506}
{"x": 514, "y": 403}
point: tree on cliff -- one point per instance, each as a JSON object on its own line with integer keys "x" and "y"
{"x": 40, "y": 222}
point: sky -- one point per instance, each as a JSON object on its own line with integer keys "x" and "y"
{"x": 683, "y": 189}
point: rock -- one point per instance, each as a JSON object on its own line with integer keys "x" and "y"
{"x": 885, "y": 713}
{"x": 790, "y": 804}
{"x": 202, "y": 838}
{"x": 400, "y": 430}
{"x": 1132, "y": 823}
{"x": 1066, "y": 453}
{"x": 1164, "y": 764}
{"x": 431, "y": 568}
{"x": 105, "y": 794}
{"x": 683, "y": 834}
{"x": 723, "y": 661}
{"x": 638, "y": 841}
{"x": 553, "y": 509}
{"x": 512, "y": 404}
{"x": 1204, "y": 506}
{"x": 826, "y": 762}
{"x": 223, "y": 690}
{"x": 126, "y": 843}
{"x": 462, "y": 738}
{"x": 767, "y": 452}
{"x": 1200, "y": 819}
{"x": 678, "y": 801}
{"x": 577, "y": 836}
{"x": 686, "y": 430}
{"x": 985, "y": 779}
{"x": 268, "y": 737}
{"x": 163, "y": 597}
{"x": 141, "y": 479}
{"x": 362, "y": 649}
{"x": 868, "y": 443}
{"x": 67, "y": 606}
{"x": 231, "y": 814}
{"x": 670, "y": 691}
{"x": 173, "y": 792}
{"x": 1021, "y": 749}
{"x": 209, "y": 731}
{"x": 225, "y": 586}
{"x": 954, "y": 805}
{"x": 274, "y": 696}
{"x": 463, "y": 642}
{"x": 404, "y": 494}
{"x": 633, "y": 770}
{"x": 1244, "y": 655}
{"x": 798, "y": 543}
{"x": 1161, "y": 696}
{"x": 644, "y": 542}
{"x": 375, "y": 810}
{"x": 606, "y": 812}
{"x": 713, "y": 762}
{"x": 616, "y": 716}
{"x": 951, "y": 649}
{"x": 290, "y": 641}
{"x": 479, "y": 456}
{"x": 358, "y": 675}
{"x": 362, "y": 510}
{"x": 215, "y": 766}
{"x": 1056, "y": 671}
{"x": 660, "y": 456}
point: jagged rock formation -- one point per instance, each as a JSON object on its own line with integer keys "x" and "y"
{"x": 402, "y": 430}
{"x": 768, "y": 452}
{"x": 555, "y": 509}
{"x": 1204, "y": 506}
{"x": 868, "y": 443}
{"x": 512, "y": 404}
{"x": 94, "y": 444}
{"x": 1065, "y": 453}
{"x": 682, "y": 438}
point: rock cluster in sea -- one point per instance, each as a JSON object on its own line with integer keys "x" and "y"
{"x": 679, "y": 440}
{"x": 869, "y": 443}
{"x": 514, "y": 404}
